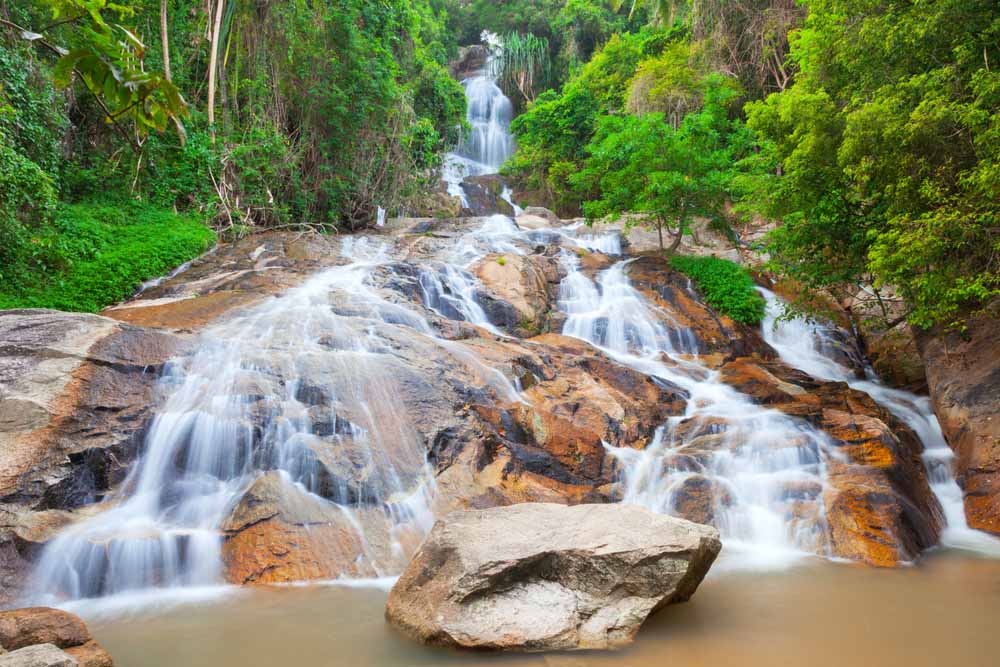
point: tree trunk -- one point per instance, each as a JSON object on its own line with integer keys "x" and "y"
{"x": 165, "y": 38}
{"x": 659, "y": 233}
{"x": 213, "y": 65}
{"x": 678, "y": 237}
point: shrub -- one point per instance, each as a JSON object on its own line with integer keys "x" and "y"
{"x": 725, "y": 285}
{"x": 104, "y": 253}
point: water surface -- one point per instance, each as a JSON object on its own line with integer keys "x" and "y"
{"x": 942, "y": 612}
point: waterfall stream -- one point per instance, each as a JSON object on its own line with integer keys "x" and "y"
{"x": 488, "y": 143}
{"x": 305, "y": 379}
{"x": 811, "y": 347}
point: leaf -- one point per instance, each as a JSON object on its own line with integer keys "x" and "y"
{"x": 62, "y": 73}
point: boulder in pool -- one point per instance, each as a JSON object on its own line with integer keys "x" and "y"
{"x": 546, "y": 577}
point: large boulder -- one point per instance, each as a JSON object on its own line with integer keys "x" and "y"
{"x": 40, "y": 655}
{"x": 963, "y": 376}
{"x": 44, "y": 636}
{"x": 543, "y": 577}
{"x": 529, "y": 283}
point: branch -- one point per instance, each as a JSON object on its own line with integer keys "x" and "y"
{"x": 61, "y": 52}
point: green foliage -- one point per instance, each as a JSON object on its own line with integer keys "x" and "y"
{"x": 553, "y": 134}
{"x": 663, "y": 176}
{"x": 27, "y": 198}
{"x": 109, "y": 59}
{"x": 521, "y": 64}
{"x": 725, "y": 285}
{"x": 99, "y": 255}
{"x": 882, "y": 159}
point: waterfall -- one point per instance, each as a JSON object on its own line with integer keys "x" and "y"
{"x": 296, "y": 380}
{"x": 810, "y": 345}
{"x": 488, "y": 143}
{"x": 762, "y": 471}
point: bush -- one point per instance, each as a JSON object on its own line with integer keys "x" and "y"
{"x": 725, "y": 285}
{"x": 27, "y": 198}
{"x": 104, "y": 253}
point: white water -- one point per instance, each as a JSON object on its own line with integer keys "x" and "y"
{"x": 765, "y": 471}
{"x": 303, "y": 376}
{"x": 810, "y": 346}
{"x": 488, "y": 142}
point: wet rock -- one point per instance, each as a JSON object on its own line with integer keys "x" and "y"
{"x": 41, "y": 655}
{"x": 527, "y": 282}
{"x": 542, "y": 577}
{"x": 896, "y": 359}
{"x": 879, "y": 504}
{"x": 963, "y": 375}
{"x": 26, "y": 631}
{"x": 538, "y": 211}
{"x": 697, "y": 497}
{"x": 471, "y": 59}
{"x": 279, "y": 533}
{"x": 483, "y": 194}
{"x": 714, "y": 334}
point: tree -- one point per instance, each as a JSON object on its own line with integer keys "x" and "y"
{"x": 660, "y": 11}
{"x": 109, "y": 60}
{"x": 659, "y": 176}
{"x": 213, "y": 66}
{"x": 520, "y": 63}
{"x": 882, "y": 159}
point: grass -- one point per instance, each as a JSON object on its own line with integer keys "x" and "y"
{"x": 726, "y": 286}
{"x": 100, "y": 254}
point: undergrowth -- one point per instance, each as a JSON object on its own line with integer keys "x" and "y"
{"x": 725, "y": 285}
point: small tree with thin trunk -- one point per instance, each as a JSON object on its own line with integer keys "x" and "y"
{"x": 660, "y": 177}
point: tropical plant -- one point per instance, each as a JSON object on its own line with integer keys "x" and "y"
{"x": 521, "y": 63}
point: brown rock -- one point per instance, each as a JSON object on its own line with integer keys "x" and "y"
{"x": 538, "y": 577}
{"x": 963, "y": 375}
{"x": 41, "y": 625}
{"x": 526, "y": 282}
{"x": 278, "y": 534}
{"x": 90, "y": 654}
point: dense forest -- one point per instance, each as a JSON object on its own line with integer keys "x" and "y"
{"x": 133, "y": 133}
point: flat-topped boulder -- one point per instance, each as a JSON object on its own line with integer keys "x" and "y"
{"x": 546, "y": 577}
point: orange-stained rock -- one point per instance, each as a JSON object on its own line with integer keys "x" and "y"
{"x": 41, "y": 625}
{"x": 21, "y": 628}
{"x": 277, "y": 533}
{"x": 90, "y": 654}
{"x": 527, "y": 282}
{"x": 674, "y": 293}
{"x": 963, "y": 375}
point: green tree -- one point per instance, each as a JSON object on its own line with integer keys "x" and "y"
{"x": 659, "y": 176}
{"x": 882, "y": 159}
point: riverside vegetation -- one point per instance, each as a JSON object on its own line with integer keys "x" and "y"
{"x": 870, "y": 130}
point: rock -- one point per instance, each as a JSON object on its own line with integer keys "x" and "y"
{"x": 532, "y": 222}
{"x": 75, "y": 395}
{"x": 963, "y": 375}
{"x": 41, "y": 655}
{"x": 551, "y": 218}
{"x": 527, "y": 282}
{"x": 471, "y": 59}
{"x": 41, "y": 625}
{"x": 895, "y": 358}
{"x": 714, "y": 333}
{"x": 26, "y": 632}
{"x": 278, "y": 533}
{"x": 483, "y": 194}
{"x": 879, "y": 505}
{"x": 545, "y": 577}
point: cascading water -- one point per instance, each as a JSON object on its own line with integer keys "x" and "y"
{"x": 812, "y": 347}
{"x": 488, "y": 142}
{"x": 765, "y": 471}
{"x": 300, "y": 379}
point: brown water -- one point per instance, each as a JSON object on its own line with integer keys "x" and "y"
{"x": 943, "y": 612}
